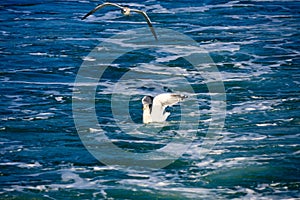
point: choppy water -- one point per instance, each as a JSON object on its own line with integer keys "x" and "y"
{"x": 255, "y": 45}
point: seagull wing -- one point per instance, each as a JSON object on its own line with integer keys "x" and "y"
{"x": 168, "y": 99}
{"x": 160, "y": 102}
{"x": 99, "y": 7}
{"x": 148, "y": 21}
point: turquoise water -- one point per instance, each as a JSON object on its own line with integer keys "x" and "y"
{"x": 254, "y": 45}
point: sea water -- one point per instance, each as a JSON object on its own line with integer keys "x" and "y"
{"x": 253, "y": 44}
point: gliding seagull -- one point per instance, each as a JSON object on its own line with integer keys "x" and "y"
{"x": 154, "y": 108}
{"x": 126, "y": 11}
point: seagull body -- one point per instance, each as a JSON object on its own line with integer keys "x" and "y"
{"x": 154, "y": 108}
{"x": 125, "y": 11}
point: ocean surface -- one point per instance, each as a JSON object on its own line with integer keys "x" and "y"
{"x": 253, "y": 148}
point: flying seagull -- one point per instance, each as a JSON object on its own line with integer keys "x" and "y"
{"x": 126, "y": 11}
{"x": 154, "y": 108}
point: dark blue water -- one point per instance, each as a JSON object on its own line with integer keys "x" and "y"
{"x": 254, "y": 44}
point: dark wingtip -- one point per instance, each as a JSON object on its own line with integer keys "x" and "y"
{"x": 154, "y": 34}
{"x": 84, "y": 17}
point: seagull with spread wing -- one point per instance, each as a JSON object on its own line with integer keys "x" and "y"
{"x": 154, "y": 108}
{"x": 126, "y": 11}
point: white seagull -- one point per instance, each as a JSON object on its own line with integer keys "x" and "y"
{"x": 126, "y": 11}
{"x": 154, "y": 108}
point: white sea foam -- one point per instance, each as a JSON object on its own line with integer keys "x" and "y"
{"x": 205, "y": 8}
{"x": 257, "y": 105}
{"x": 22, "y": 165}
{"x": 59, "y": 99}
{"x": 266, "y": 124}
{"x": 47, "y": 54}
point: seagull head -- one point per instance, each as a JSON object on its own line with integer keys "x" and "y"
{"x": 147, "y": 100}
{"x": 126, "y": 11}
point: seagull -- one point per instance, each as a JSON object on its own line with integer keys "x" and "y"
{"x": 125, "y": 11}
{"x": 154, "y": 107}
